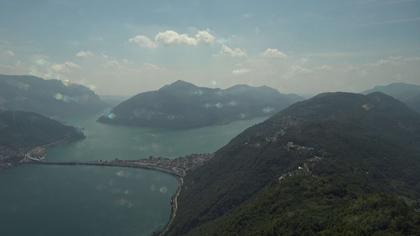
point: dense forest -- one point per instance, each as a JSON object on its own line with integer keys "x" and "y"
{"x": 338, "y": 162}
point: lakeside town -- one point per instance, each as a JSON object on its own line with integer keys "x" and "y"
{"x": 179, "y": 166}
{"x": 9, "y": 157}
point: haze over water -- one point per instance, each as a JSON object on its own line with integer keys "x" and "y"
{"x": 77, "y": 200}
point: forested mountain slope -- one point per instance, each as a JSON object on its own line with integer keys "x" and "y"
{"x": 336, "y": 163}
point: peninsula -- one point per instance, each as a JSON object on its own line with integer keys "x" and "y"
{"x": 25, "y": 134}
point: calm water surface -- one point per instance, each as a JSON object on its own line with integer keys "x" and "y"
{"x": 77, "y": 200}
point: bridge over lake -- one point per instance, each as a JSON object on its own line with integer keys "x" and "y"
{"x": 177, "y": 167}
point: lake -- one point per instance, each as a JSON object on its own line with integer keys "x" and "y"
{"x": 80, "y": 200}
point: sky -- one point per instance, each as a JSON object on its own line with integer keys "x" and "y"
{"x": 296, "y": 46}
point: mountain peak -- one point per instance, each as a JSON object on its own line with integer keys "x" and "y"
{"x": 179, "y": 84}
{"x": 341, "y": 106}
{"x": 244, "y": 88}
{"x": 407, "y": 93}
{"x": 240, "y": 86}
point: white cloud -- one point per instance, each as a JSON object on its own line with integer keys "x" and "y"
{"x": 64, "y": 67}
{"x": 300, "y": 69}
{"x": 171, "y": 37}
{"x": 41, "y": 60}
{"x": 111, "y": 63}
{"x": 9, "y": 53}
{"x": 392, "y": 60}
{"x": 325, "y": 68}
{"x": 274, "y": 53}
{"x": 233, "y": 52}
{"x": 143, "y": 41}
{"x": 85, "y": 54}
{"x": 241, "y": 71}
{"x": 150, "y": 66}
{"x": 205, "y": 37}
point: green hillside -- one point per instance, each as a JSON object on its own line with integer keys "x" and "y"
{"x": 338, "y": 162}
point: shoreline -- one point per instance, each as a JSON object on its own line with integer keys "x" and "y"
{"x": 177, "y": 167}
{"x": 20, "y": 154}
{"x": 174, "y": 206}
{"x": 174, "y": 198}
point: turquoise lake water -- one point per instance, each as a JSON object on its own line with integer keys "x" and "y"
{"x": 77, "y": 200}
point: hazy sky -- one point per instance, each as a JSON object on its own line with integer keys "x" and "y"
{"x": 128, "y": 46}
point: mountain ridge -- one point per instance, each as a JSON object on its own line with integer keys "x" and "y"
{"x": 185, "y": 105}
{"x": 53, "y": 98}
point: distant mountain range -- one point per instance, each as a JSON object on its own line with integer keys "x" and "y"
{"x": 407, "y": 93}
{"x": 336, "y": 164}
{"x": 52, "y": 98}
{"x": 184, "y": 105}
